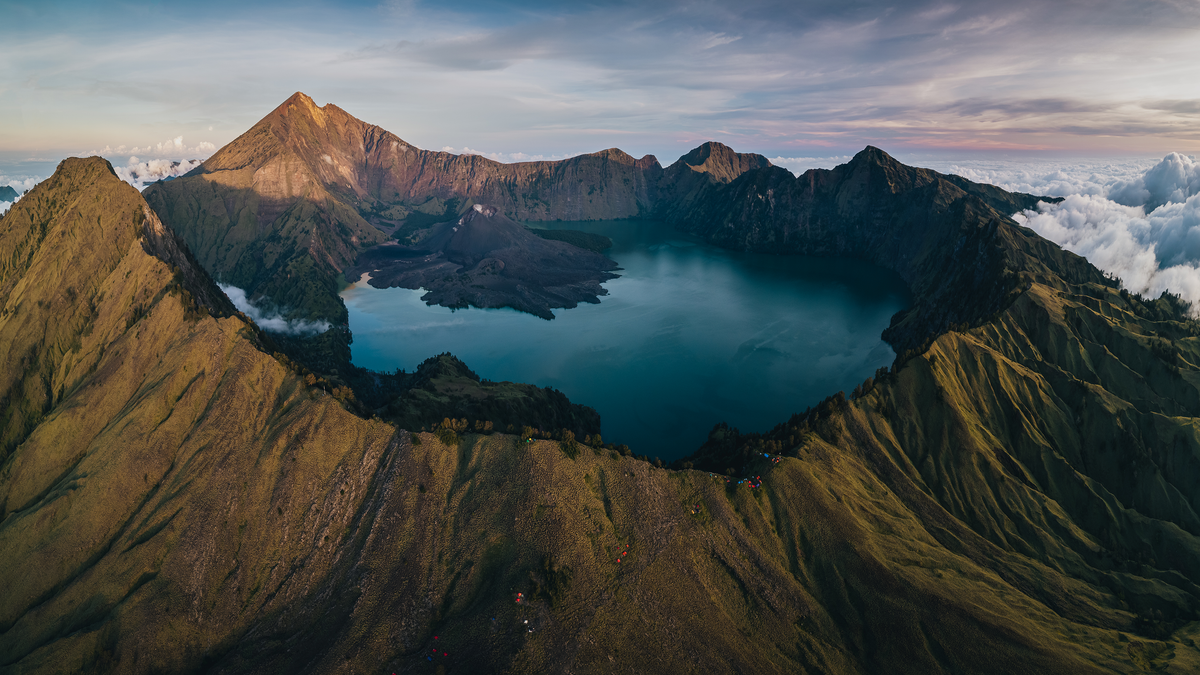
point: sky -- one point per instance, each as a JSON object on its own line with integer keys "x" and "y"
{"x": 1096, "y": 101}
{"x": 515, "y": 80}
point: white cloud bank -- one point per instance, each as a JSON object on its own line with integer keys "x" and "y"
{"x": 1049, "y": 178}
{"x": 168, "y": 160}
{"x": 137, "y": 173}
{"x": 1142, "y": 226}
{"x": 270, "y": 320}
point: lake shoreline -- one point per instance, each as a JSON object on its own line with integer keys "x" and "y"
{"x": 690, "y": 335}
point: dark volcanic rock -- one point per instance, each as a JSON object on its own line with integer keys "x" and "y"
{"x": 486, "y": 259}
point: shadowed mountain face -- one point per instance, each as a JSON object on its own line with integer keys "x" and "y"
{"x": 485, "y": 259}
{"x": 7, "y": 194}
{"x": 708, "y": 165}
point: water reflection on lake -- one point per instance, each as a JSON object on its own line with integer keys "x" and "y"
{"x": 689, "y": 335}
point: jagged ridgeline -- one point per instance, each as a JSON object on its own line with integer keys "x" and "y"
{"x": 1017, "y": 495}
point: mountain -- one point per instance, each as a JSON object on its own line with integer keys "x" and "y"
{"x": 485, "y": 259}
{"x": 52, "y": 309}
{"x": 7, "y": 194}
{"x": 1016, "y": 494}
{"x": 266, "y": 213}
{"x": 285, "y": 210}
{"x": 272, "y": 530}
{"x": 1041, "y": 421}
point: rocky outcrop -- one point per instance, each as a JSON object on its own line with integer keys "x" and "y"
{"x": 302, "y": 193}
{"x": 485, "y": 259}
{"x": 692, "y": 175}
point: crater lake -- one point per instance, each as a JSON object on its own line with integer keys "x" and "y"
{"x": 689, "y": 335}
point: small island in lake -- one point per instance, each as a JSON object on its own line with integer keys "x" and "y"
{"x": 486, "y": 259}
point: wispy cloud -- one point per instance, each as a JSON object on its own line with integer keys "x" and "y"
{"x": 270, "y": 320}
{"x": 171, "y": 148}
{"x": 508, "y": 157}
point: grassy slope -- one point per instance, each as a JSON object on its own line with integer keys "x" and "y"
{"x": 191, "y": 506}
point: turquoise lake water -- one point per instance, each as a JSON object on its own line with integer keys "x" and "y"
{"x": 688, "y": 336}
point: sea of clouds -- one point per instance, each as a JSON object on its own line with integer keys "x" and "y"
{"x": 135, "y": 171}
{"x": 1138, "y": 219}
{"x": 269, "y": 320}
{"x": 138, "y": 173}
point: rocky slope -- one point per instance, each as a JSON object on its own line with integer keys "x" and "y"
{"x": 690, "y": 176}
{"x": 442, "y": 386}
{"x": 1016, "y": 499}
{"x": 485, "y": 259}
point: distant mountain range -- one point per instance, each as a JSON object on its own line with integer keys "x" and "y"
{"x": 7, "y": 194}
{"x": 1017, "y": 493}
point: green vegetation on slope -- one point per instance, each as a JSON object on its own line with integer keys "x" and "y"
{"x": 1015, "y": 497}
{"x": 443, "y": 386}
